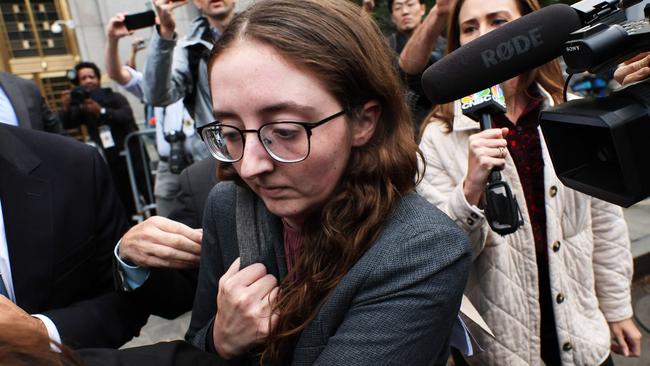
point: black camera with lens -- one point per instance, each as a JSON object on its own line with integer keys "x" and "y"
{"x": 78, "y": 95}
{"x": 178, "y": 158}
{"x": 598, "y": 145}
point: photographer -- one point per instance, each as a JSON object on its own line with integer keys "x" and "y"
{"x": 176, "y": 68}
{"x": 175, "y": 138}
{"x": 108, "y": 119}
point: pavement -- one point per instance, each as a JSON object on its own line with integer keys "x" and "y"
{"x": 638, "y": 220}
{"x": 159, "y": 329}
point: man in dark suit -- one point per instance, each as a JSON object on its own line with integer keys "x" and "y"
{"x": 24, "y": 106}
{"x": 61, "y": 218}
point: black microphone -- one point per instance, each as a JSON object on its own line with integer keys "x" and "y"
{"x": 501, "y": 208}
{"x": 515, "y": 47}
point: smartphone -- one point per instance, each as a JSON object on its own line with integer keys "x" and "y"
{"x": 140, "y": 20}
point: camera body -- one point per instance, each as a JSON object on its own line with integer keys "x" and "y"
{"x": 78, "y": 95}
{"x": 598, "y": 145}
{"x": 609, "y": 39}
{"x": 178, "y": 158}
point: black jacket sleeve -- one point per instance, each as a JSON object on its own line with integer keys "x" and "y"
{"x": 119, "y": 110}
{"x": 161, "y": 354}
{"x": 107, "y": 318}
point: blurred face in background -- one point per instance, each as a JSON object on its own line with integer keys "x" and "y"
{"x": 407, "y": 14}
{"x": 478, "y": 17}
{"x": 217, "y": 9}
{"x": 88, "y": 80}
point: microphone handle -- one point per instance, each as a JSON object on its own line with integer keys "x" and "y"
{"x": 485, "y": 120}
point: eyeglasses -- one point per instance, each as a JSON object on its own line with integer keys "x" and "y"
{"x": 286, "y": 142}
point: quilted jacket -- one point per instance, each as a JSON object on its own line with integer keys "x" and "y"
{"x": 590, "y": 263}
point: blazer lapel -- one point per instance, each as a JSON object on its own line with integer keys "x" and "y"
{"x": 17, "y": 98}
{"x": 27, "y": 211}
{"x": 259, "y": 234}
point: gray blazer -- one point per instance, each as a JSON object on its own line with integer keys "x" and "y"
{"x": 396, "y": 306}
{"x": 30, "y": 106}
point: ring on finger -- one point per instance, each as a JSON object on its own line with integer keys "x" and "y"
{"x": 502, "y": 152}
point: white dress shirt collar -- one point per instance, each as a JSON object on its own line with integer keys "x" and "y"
{"x": 7, "y": 111}
{"x": 5, "y": 264}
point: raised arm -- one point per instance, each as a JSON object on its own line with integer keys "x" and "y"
{"x": 417, "y": 51}
{"x": 166, "y": 71}
{"x": 115, "y": 30}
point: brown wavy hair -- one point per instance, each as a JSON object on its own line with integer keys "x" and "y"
{"x": 347, "y": 52}
{"x": 548, "y": 76}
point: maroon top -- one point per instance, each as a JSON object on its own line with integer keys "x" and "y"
{"x": 292, "y": 242}
{"x": 525, "y": 148}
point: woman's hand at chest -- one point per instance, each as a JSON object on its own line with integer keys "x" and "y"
{"x": 244, "y": 309}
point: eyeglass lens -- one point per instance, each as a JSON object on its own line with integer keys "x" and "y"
{"x": 284, "y": 141}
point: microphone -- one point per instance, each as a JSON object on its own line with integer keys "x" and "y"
{"x": 501, "y": 208}
{"x": 515, "y": 47}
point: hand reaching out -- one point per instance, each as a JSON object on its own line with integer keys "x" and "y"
{"x": 161, "y": 242}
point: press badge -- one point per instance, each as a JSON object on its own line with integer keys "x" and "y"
{"x": 106, "y": 137}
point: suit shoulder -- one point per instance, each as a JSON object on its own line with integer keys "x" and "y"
{"x": 20, "y": 81}
{"x": 221, "y": 200}
{"x": 415, "y": 210}
{"x": 202, "y": 171}
{"x": 46, "y": 140}
{"x": 54, "y": 145}
{"x": 56, "y": 154}
{"x": 416, "y": 222}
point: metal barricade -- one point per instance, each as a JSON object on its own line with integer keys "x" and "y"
{"x": 144, "y": 199}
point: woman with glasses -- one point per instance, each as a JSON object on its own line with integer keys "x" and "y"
{"x": 553, "y": 290}
{"x": 318, "y": 250}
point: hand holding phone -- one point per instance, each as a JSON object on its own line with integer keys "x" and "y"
{"x": 115, "y": 28}
{"x": 164, "y": 9}
{"x": 140, "y": 20}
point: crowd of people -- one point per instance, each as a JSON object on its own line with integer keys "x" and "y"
{"x": 322, "y": 210}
